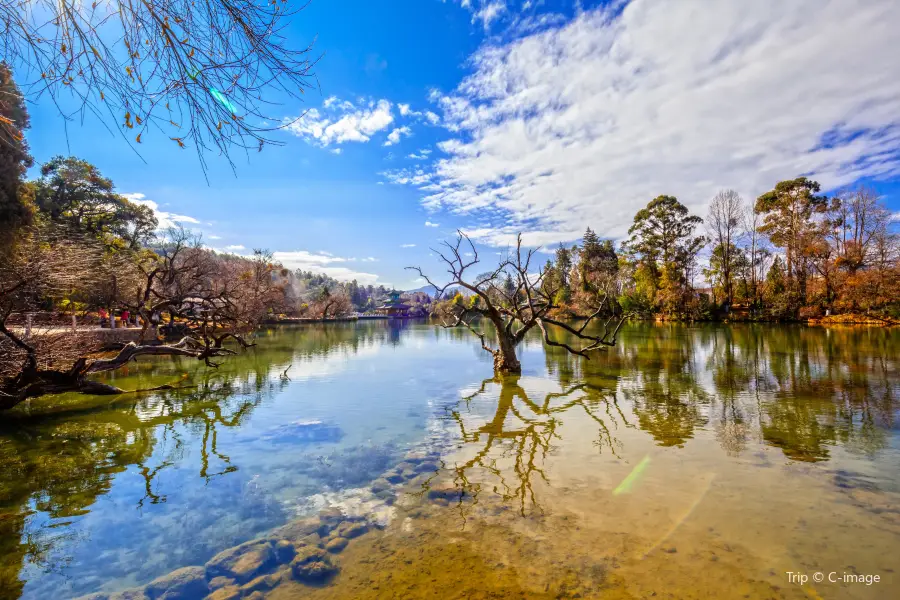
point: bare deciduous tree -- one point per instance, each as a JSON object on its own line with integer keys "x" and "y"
{"x": 196, "y": 72}
{"x": 211, "y": 300}
{"x": 856, "y": 221}
{"x": 722, "y": 224}
{"x": 757, "y": 254}
{"x": 515, "y": 301}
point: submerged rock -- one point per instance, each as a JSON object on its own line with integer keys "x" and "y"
{"x": 312, "y": 565}
{"x": 265, "y": 583}
{"x": 186, "y": 583}
{"x": 335, "y": 545}
{"x": 350, "y": 529}
{"x": 380, "y": 485}
{"x": 284, "y": 552}
{"x": 242, "y": 563}
{"x": 220, "y": 582}
{"x": 427, "y": 467}
{"x": 298, "y": 530}
{"x": 229, "y": 592}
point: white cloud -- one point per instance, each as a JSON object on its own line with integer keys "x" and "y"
{"x": 407, "y": 245}
{"x": 342, "y": 121}
{"x": 163, "y": 218}
{"x": 583, "y": 123}
{"x": 430, "y": 224}
{"x": 324, "y": 262}
{"x": 419, "y": 115}
{"x": 416, "y": 176}
{"x": 394, "y": 136}
{"x": 214, "y": 237}
{"x": 235, "y": 247}
{"x": 422, "y": 155}
{"x": 487, "y": 11}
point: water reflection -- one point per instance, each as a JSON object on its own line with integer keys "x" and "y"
{"x": 800, "y": 389}
{"x": 190, "y": 471}
{"x": 521, "y": 433}
{"x": 59, "y": 456}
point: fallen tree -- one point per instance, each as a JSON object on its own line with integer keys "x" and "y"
{"x": 515, "y": 300}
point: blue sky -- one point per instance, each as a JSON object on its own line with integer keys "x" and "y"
{"x": 542, "y": 117}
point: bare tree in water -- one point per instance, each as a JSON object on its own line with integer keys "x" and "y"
{"x": 516, "y": 440}
{"x": 196, "y": 72}
{"x": 516, "y": 300}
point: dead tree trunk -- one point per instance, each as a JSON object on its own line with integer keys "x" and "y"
{"x": 515, "y": 301}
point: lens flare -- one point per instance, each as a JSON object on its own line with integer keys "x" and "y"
{"x": 635, "y": 474}
{"x": 223, "y": 100}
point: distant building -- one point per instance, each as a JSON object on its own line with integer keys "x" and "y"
{"x": 393, "y": 306}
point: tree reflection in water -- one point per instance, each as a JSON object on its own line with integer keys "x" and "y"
{"x": 514, "y": 444}
{"x": 57, "y": 466}
{"x": 804, "y": 391}
{"x": 61, "y": 456}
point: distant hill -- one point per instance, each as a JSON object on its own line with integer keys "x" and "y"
{"x": 430, "y": 290}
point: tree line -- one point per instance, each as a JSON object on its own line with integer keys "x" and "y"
{"x": 793, "y": 253}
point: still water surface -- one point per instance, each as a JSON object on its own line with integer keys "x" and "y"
{"x": 687, "y": 462}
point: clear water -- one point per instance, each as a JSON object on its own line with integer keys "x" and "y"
{"x": 689, "y": 461}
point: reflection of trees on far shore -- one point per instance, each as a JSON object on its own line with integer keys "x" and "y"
{"x": 513, "y": 444}
{"x": 61, "y": 454}
{"x": 801, "y": 389}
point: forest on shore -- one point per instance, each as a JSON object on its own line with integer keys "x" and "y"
{"x": 792, "y": 254}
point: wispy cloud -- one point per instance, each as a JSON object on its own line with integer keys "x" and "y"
{"x": 165, "y": 219}
{"x": 326, "y": 263}
{"x": 486, "y": 12}
{"x": 421, "y": 155}
{"x": 430, "y": 224}
{"x": 583, "y": 123}
{"x": 235, "y": 247}
{"x": 407, "y": 245}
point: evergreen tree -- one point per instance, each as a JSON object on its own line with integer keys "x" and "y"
{"x": 775, "y": 278}
{"x": 73, "y": 192}
{"x": 788, "y": 212}
{"x": 663, "y": 244}
{"x": 15, "y": 208}
{"x": 662, "y": 232}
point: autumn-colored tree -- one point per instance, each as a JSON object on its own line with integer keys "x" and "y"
{"x": 856, "y": 220}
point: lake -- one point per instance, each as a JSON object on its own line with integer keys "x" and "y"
{"x": 690, "y": 461}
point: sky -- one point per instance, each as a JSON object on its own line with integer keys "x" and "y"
{"x": 506, "y": 116}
